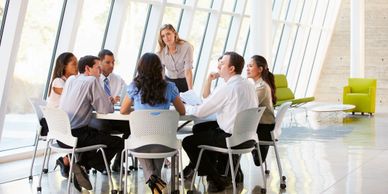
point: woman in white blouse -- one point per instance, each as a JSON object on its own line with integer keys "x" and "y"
{"x": 176, "y": 56}
{"x": 65, "y": 66}
{"x": 257, "y": 70}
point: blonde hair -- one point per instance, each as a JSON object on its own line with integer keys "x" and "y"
{"x": 171, "y": 28}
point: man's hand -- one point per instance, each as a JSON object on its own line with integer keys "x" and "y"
{"x": 117, "y": 99}
{"x": 213, "y": 76}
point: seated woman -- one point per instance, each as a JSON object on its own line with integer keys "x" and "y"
{"x": 257, "y": 70}
{"x": 150, "y": 91}
{"x": 65, "y": 66}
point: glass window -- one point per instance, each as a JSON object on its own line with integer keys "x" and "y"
{"x": 2, "y": 6}
{"x": 31, "y": 69}
{"x": 171, "y": 16}
{"x": 196, "y": 34}
{"x": 91, "y": 27}
{"x": 229, "y": 5}
{"x": 204, "y": 3}
{"x": 131, "y": 40}
{"x": 176, "y": 1}
{"x": 242, "y": 38}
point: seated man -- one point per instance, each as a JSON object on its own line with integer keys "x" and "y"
{"x": 113, "y": 86}
{"x": 81, "y": 95}
{"x": 226, "y": 102}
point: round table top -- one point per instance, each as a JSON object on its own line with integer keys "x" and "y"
{"x": 332, "y": 107}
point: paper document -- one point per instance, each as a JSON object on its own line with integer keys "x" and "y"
{"x": 191, "y": 98}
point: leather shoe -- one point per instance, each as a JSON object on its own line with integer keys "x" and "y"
{"x": 216, "y": 184}
{"x": 76, "y": 185}
{"x": 188, "y": 172}
{"x": 82, "y": 177}
{"x": 64, "y": 169}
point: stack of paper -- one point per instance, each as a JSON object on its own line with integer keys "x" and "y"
{"x": 191, "y": 98}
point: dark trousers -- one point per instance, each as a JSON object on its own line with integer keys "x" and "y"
{"x": 214, "y": 137}
{"x": 180, "y": 83}
{"x": 89, "y": 136}
{"x": 264, "y": 134}
{"x": 111, "y": 126}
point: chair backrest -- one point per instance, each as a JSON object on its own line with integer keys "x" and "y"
{"x": 153, "y": 127}
{"x": 245, "y": 126}
{"x": 36, "y": 104}
{"x": 59, "y": 124}
{"x": 361, "y": 85}
{"x": 282, "y": 91}
{"x": 279, "y": 118}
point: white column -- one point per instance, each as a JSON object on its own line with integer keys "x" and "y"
{"x": 357, "y": 38}
{"x": 260, "y": 40}
{"x": 8, "y": 51}
{"x": 116, "y": 25}
{"x": 69, "y": 27}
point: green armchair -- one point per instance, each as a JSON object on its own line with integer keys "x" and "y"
{"x": 284, "y": 94}
{"x": 361, "y": 93}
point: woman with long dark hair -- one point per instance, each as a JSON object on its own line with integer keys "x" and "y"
{"x": 149, "y": 90}
{"x": 257, "y": 70}
{"x": 65, "y": 66}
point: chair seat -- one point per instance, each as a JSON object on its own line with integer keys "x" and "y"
{"x": 58, "y": 148}
{"x": 357, "y": 94}
{"x": 225, "y": 150}
{"x": 153, "y": 155}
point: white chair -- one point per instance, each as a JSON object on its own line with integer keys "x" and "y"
{"x": 244, "y": 130}
{"x": 60, "y": 129}
{"x": 150, "y": 127}
{"x": 36, "y": 103}
{"x": 274, "y": 135}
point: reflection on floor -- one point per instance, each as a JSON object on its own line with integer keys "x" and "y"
{"x": 346, "y": 154}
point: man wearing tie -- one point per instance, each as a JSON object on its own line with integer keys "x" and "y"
{"x": 113, "y": 86}
{"x": 112, "y": 83}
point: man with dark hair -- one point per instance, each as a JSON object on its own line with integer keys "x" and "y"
{"x": 112, "y": 83}
{"x": 113, "y": 86}
{"x": 226, "y": 102}
{"x": 81, "y": 95}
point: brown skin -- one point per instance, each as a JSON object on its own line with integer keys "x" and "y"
{"x": 70, "y": 69}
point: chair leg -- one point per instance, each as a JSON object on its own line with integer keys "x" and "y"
{"x": 121, "y": 169}
{"x": 33, "y": 156}
{"x": 232, "y": 172}
{"x": 39, "y": 188}
{"x": 196, "y": 169}
{"x": 282, "y": 178}
{"x": 263, "y": 190}
{"x": 73, "y": 159}
{"x": 126, "y": 172}
{"x": 181, "y": 170}
{"x": 113, "y": 190}
{"x": 45, "y": 170}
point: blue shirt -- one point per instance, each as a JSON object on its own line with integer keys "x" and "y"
{"x": 171, "y": 93}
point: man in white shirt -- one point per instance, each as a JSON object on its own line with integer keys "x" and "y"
{"x": 112, "y": 83}
{"x": 236, "y": 95}
{"x": 81, "y": 95}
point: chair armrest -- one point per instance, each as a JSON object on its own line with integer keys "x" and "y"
{"x": 372, "y": 92}
{"x": 347, "y": 89}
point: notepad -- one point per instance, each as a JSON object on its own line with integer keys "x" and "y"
{"x": 191, "y": 98}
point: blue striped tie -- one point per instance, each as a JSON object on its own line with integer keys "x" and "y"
{"x": 106, "y": 86}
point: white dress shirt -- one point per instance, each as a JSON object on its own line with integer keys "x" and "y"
{"x": 227, "y": 101}
{"x": 81, "y": 95}
{"x": 116, "y": 84}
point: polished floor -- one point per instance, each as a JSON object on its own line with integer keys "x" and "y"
{"x": 330, "y": 153}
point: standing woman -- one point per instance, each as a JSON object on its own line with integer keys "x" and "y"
{"x": 65, "y": 66}
{"x": 150, "y": 91}
{"x": 265, "y": 88}
{"x": 177, "y": 57}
